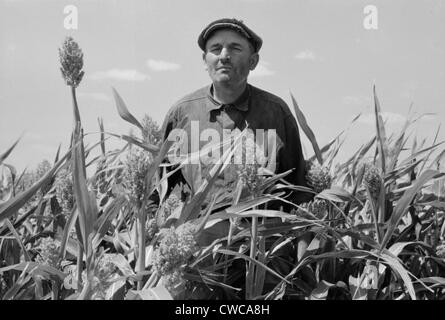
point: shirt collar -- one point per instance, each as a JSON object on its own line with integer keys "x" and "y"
{"x": 242, "y": 103}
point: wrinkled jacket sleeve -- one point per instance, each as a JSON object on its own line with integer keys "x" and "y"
{"x": 291, "y": 157}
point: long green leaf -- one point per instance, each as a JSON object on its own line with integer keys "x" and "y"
{"x": 437, "y": 160}
{"x": 307, "y": 130}
{"x": 11, "y": 207}
{"x": 417, "y": 153}
{"x": 381, "y": 134}
{"x": 24, "y": 277}
{"x": 329, "y": 144}
{"x": 404, "y": 203}
{"x": 247, "y": 258}
{"x": 18, "y": 239}
{"x": 335, "y": 194}
{"x": 148, "y": 147}
{"x": 395, "y": 264}
{"x": 102, "y": 135}
{"x": 36, "y": 269}
{"x": 431, "y": 151}
{"x": 86, "y": 202}
{"x": 69, "y": 225}
{"x": 398, "y": 146}
{"x": 253, "y": 213}
{"x": 103, "y": 224}
{"x": 123, "y": 110}
{"x": 7, "y": 152}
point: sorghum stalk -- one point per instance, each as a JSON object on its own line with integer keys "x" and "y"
{"x": 71, "y": 60}
{"x": 260, "y": 273}
{"x": 141, "y": 217}
{"x": 54, "y": 289}
{"x": 152, "y": 281}
{"x": 232, "y": 226}
{"x": 79, "y": 268}
{"x": 253, "y": 180}
{"x": 253, "y": 251}
{"x": 135, "y": 172}
{"x": 75, "y": 106}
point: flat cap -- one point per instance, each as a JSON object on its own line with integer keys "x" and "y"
{"x": 234, "y": 24}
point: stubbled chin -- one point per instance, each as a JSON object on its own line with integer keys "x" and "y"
{"x": 222, "y": 78}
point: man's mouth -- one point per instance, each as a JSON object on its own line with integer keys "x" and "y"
{"x": 224, "y": 68}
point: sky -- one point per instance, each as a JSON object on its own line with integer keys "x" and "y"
{"x": 147, "y": 50}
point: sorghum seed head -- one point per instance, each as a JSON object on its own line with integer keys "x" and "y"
{"x": 318, "y": 178}
{"x": 150, "y": 131}
{"x": 152, "y": 228}
{"x": 168, "y": 207}
{"x": 64, "y": 190}
{"x": 42, "y": 168}
{"x": 105, "y": 267}
{"x": 318, "y": 207}
{"x": 252, "y": 160}
{"x": 135, "y": 170}
{"x": 71, "y": 60}
{"x": 372, "y": 179}
{"x": 251, "y": 178}
{"x": 175, "y": 249}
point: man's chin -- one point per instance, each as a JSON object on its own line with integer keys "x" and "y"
{"x": 223, "y": 79}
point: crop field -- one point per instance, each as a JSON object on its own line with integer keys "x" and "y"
{"x": 374, "y": 229}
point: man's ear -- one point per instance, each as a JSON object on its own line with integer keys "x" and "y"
{"x": 204, "y": 60}
{"x": 254, "y": 58}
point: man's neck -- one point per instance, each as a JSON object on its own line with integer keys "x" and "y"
{"x": 227, "y": 94}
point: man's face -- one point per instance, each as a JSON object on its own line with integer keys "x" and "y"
{"x": 229, "y": 57}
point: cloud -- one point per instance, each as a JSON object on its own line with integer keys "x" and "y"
{"x": 120, "y": 74}
{"x": 306, "y": 55}
{"x": 97, "y": 96}
{"x": 262, "y": 70}
{"x": 160, "y": 65}
{"x": 390, "y": 118}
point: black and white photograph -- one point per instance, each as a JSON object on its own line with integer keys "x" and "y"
{"x": 244, "y": 151}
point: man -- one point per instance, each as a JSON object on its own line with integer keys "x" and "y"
{"x": 230, "y": 52}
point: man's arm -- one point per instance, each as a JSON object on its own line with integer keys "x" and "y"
{"x": 291, "y": 157}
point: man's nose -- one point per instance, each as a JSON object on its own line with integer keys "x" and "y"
{"x": 224, "y": 54}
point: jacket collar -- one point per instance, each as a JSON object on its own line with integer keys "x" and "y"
{"x": 242, "y": 103}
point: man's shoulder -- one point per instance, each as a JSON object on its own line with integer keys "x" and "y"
{"x": 272, "y": 99}
{"x": 196, "y": 95}
{"x": 180, "y": 107}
